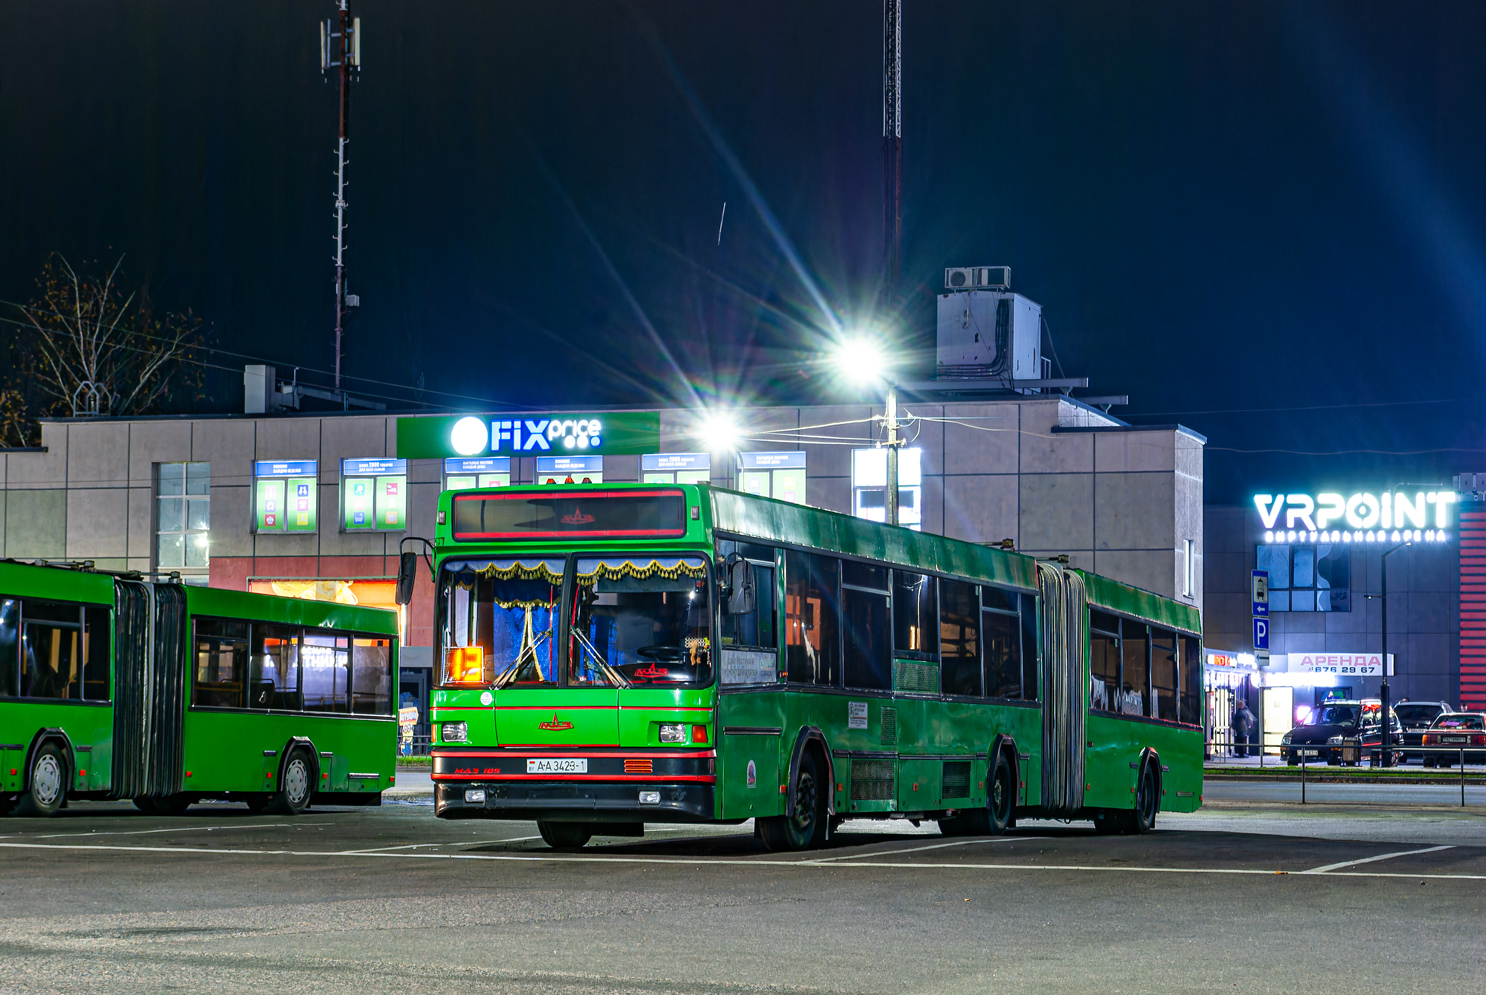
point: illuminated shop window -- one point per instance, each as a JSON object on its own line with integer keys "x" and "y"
{"x": 374, "y": 495}
{"x": 869, "y": 486}
{"x": 779, "y": 475}
{"x": 1307, "y": 578}
{"x": 183, "y": 519}
{"x": 676, "y": 468}
{"x": 468, "y": 474}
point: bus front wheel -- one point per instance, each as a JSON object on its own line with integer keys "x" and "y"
{"x": 798, "y": 831}
{"x": 48, "y": 787}
{"x": 293, "y": 795}
{"x": 1147, "y": 800}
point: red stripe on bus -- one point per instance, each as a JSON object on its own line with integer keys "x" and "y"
{"x": 650, "y": 778}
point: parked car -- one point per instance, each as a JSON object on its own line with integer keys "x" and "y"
{"x": 1340, "y": 732}
{"x": 1454, "y": 730}
{"x": 1416, "y": 717}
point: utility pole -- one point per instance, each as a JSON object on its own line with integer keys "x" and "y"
{"x": 892, "y": 147}
{"x": 340, "y": 49}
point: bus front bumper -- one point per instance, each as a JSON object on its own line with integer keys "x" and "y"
{"x": 565, "y": 802}
{"x": 613, "y": 785}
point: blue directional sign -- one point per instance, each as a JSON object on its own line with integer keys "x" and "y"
{"x": 1259, "y": 587}
{"x": 1261, "y": 634}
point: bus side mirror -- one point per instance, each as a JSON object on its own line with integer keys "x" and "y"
{"x": 742, "y": 598}
{"x": 407, "y": 573}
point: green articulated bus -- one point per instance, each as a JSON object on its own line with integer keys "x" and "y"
{"x": 113, "y": 686}
{"x": 620, "y": 654}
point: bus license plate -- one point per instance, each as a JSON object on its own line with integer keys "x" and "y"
{"x": 557, "y": 765}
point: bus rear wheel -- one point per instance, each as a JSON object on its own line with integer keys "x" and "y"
{"x": 48, "y": 783}
{"x": 293, "y": 796}
{"x": 565, "y": 835}
{"x": 806, "y": 828}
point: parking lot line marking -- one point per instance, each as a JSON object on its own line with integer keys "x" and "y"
{"x": 704, "y": 861}
{"x": 173, "y": 829}
{"x": 916, "y": 849}
{"x": 1368, "y": 860}
{"x": 381, "y": 849}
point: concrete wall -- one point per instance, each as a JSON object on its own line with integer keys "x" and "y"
{"x": 1423, "y": 609}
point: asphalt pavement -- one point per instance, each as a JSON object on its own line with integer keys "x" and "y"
{"x": 1254, "y": 896}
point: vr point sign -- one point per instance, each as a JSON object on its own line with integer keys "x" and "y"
{"x": 1397, "y": 516}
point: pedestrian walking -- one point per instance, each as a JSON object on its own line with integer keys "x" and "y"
{"x": 1243, "y": 721}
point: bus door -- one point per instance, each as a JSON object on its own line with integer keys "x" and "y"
{"x": 916, "y": 689}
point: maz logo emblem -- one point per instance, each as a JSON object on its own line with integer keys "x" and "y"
{"x": 576, "y": 517}
{"x": 652, "y": 671}
{"x": 555, "y": 724}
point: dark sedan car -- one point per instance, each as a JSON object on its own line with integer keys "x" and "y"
{"x": 1416, "y": 717}
{"x": 1452, "y": 731}
{"x": 1339, "y": 732}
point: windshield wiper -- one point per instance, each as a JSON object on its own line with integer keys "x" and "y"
{"x": 510, "y": 672}
{"x": 614, "y": 676}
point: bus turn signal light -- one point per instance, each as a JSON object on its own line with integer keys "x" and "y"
{"x": 699, "y": 734}
{"x": 465, "y": 664}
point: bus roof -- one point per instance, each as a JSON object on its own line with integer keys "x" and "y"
{"x": 62, "y": 583}
{"x": 1118, "y": 597}
{"x": 290, "y": 611}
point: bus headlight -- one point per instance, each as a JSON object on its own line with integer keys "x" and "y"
{"x": 672, "y": 732}
{"x": 455, "y": 732}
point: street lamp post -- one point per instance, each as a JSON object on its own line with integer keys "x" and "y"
{"x": 861, "y": 359}
{"x": 1384, "y": 755}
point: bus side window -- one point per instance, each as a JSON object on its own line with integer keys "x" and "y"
{"x": 325, "y": 672}
{"x": 97, "y": 685}
{"x": 1164, "y": 674}
{"x": 51, "y": 650}
{"x": 274, "y": 674}
{"x": 1191, "y": 689}
{"x": 221, "y": 664}
{"x": 10, "y": 648}
{"x": 864, "y": 602}
{"x": 1135, "y": 640}
{"x": 1104, "y": 661}
{"x": 1031, "y": 678}
{"x": 757, "y": 627}
{"x": 371, "y": 675}
{"x": 812, "y": 606}
{"x": 1003, "y": 644}
{"x": 959, "y": 638}
{"x": 915, "y": 616}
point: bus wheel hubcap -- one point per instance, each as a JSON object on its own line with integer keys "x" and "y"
{"x": 46, "y": 779}
{"x": 805, "y": 802}
{"x": 296, "y": 781}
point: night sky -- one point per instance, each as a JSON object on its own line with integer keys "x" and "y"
{"x": 1269, "y": 207}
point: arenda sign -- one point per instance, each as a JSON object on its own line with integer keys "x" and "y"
{"x": 1421, "y": 516}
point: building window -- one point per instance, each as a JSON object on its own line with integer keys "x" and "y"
{"x": 183, "y": 519}
{"x": 1189, "y": 574}
{"x": 869, "y": 486}
{"x": 1307, "y": 578}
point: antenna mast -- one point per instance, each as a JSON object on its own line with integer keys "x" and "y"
{"x": 340, "y": 49}
{"x": 892, "y": 147}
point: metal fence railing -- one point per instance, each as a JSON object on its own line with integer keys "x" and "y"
{"x": 418, "y": 746}
{"x": 1353, "y": 751}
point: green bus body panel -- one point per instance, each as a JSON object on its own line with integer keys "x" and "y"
{"x": 759, "y": 727}
{"x": 86, "y": 724}
{"x": 224, "y": 750}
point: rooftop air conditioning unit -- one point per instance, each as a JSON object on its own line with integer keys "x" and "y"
{"x": 977, "y": 278}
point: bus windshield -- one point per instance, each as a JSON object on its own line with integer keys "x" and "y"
{"x": 497, "y": 621}
{"x": 641, "y": 620}
{"x": 638, "y": 620}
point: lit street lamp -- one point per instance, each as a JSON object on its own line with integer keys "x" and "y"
{"x": 863, "y": 361}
